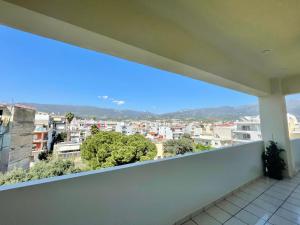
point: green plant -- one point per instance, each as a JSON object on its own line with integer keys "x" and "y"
{"x": 60, "y": 137}
{"x": 178, "y": 147}
{"x": 42, "y": 169}
{"x": 69, "y": 117}
{"x": 200, "y": 147}
{"x": 94, "y": 129}
{"x": 107, "y": 149}
{"x": 43, "y": 155}
{"x": 272, "y": 162}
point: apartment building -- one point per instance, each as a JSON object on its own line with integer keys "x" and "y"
{"x": 42, "y": 125}
{"x": 247, "y": 129}
{"x": 16, "y": 129}
{"x": 59, "y": 123}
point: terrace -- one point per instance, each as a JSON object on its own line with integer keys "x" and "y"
{"x": 252, "y": 47}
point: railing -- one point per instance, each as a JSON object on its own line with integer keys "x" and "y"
{"x": 149, "y": 193}
{"x": 295, "y": 146}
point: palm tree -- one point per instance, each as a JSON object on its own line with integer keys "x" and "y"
{"x": 69, "y": 116}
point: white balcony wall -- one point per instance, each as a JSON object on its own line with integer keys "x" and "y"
{"x": 149, "y": 193}
{"x": 295, "y": 146}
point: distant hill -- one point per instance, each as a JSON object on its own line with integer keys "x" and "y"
{"x": 224, "y": 112}
{"x": 91, "y": 111}
{"x": 218, "y": 113}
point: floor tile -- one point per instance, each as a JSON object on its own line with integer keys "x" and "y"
{"x": 237, "y": 201}
{"x": 288, "y": 215}
{"x": 291, "y": 208}
{"x": 190, "y": 222}
{"x": 294, "y": 201}
{"x": 247, "y": 217}
{"x": 245, "y": 196}
{"x": 205, "y": 219}
{"x": 267, "y": 206}
{"x": 234, "y": 221}
{"x": 228, "y": 207}
{"x": 263, "y": 202}
{"x": 277, "y": 220}
{"x": 259, "y": 212}
{"x": 295, "y": 195}
{"x": 276, "y": 194}
{"x": 219, "y": 214}
{"x": 274, "y": 201}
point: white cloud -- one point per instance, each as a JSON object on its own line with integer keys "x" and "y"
{"x": 119, "y": 102}
{"x": 104, "y": 97}
{"x": 115, "y": 101}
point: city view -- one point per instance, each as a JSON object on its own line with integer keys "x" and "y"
{"x": 149, "y": 112}
{"x": 60, "y": 139}
{"x": 76, "y": 143}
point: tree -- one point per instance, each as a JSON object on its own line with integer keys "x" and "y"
{"x": 42, "y": 169}
{"x": 52, "y": 168}
{"x": 177, "y": 147}
{"x": 69, "y": 116}
{"x": 43, "y": 155}
{"x": 14, "y": 176}
{"x": 107, "y": 149}
{"x": 200, "y": 147}
{"x": 187, "y": 136}
{"x": 94, "y": 129}
{"x": 60, "y": 137}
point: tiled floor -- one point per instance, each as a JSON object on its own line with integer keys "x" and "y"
{"x": 265, "y": 201}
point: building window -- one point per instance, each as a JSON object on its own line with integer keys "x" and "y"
{"x": 246, "y": 136}
{"x": 245, "y": 127}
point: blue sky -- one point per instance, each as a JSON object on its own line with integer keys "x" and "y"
{"x": 41, "y": 70}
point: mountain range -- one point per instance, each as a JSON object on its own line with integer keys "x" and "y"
{"x": 217, "y": 113}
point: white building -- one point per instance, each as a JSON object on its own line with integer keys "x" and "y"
{"x": 166, "y": 132}
{"x": 67, "y": 150}
{"x": 247, "y": 130}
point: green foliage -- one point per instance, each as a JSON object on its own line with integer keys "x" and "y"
{"x": 14, "y": 176}
{"x": 187, "y": 136}
{"x": 43, "y": 155}
{"x": 60, "y": 137}
{"x": 69, "y": 116}
{"x": 94, "y": 129}
{"x": 107, "y": 149}
{"x": 177, "y": 147}
{"x": 200, "y": 147}
{"x": 272, "y": 161}
{"x": 51, "y": 168}
{"x": 42, "y": 169}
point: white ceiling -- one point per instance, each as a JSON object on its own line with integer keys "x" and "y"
{"x": 238, "y": 44}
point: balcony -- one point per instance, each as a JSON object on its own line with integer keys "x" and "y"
{"x": 250, "y": 47}
{"x": 163, "y": 192}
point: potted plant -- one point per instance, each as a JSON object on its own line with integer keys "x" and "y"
{"x": 272, "y": 162}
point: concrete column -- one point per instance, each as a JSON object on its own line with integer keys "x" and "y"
{"x": 274, "y": 126}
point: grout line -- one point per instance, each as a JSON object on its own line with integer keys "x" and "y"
{"x": 250, "y": 203}
{"x": 284, "y": 201}
{"x": 194, "y": 221}
{"x": 188, "y": 218}
{"x": 259, "y": 195}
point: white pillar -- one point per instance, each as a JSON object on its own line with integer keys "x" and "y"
{"x": 274, "y": 126}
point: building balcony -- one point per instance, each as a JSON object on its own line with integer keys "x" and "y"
{"x": 208, "y": 44}
{"x": 226, "y": 183}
